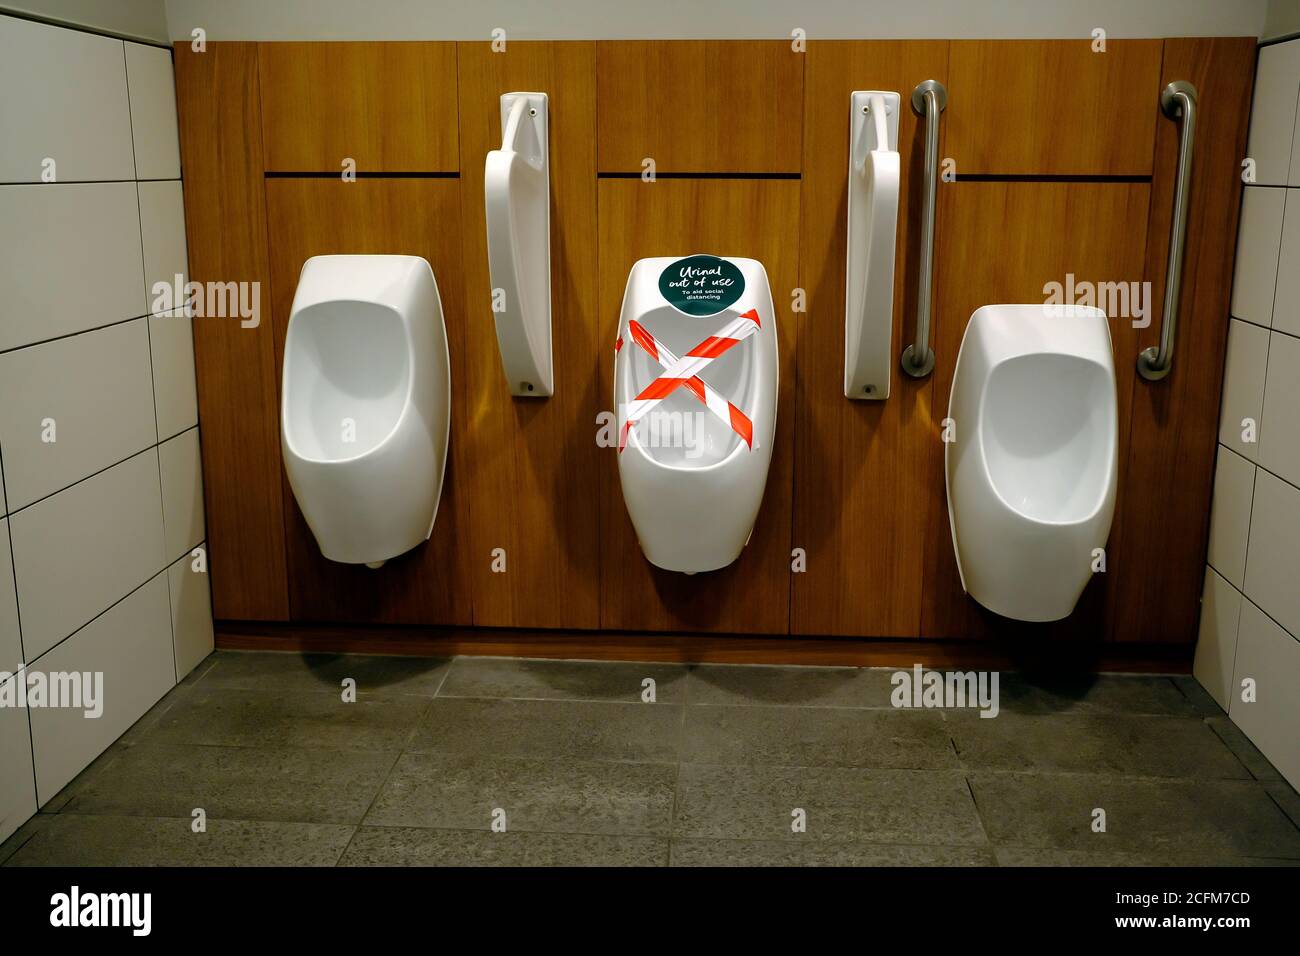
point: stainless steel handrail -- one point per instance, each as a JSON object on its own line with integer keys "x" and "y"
{"x": 929, "y": 99}
{"x": 1178, "y": 98}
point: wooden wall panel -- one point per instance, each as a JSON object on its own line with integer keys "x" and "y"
{"x": 1002, "y": 242}
{"x": 531, "y": 464}
{"x": 699, "y": 105}
{"x": 389, "y": 106}
{"x": 225, "y": 217}
{"x": 857, "y": 494}
{"x": 309, "y": 217}
{"x": 1162, "y": 522}
{"x": 858, "y": 485}
{"x": 1052, "y": 107}
{"x": 730, "y": 217}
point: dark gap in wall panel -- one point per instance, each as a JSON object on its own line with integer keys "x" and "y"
{"x": 281, "y": 174}
{"x": 1048, "y": 178}
{"x": 713, "y": 175}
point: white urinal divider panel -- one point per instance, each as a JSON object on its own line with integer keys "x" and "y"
{"x": 517, "y": 193}
{"x": 872, "y": 235}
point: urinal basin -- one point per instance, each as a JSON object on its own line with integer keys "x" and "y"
{"x": 365, "y": 404}
{"x": 1032, "y": 472}
{"x": 345, "y": 361}
{"x": 693, "y": 480}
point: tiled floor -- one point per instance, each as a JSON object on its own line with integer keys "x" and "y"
{"x": 717, "y": 770}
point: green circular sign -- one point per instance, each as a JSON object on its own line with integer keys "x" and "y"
{"x": 701, "y": 285}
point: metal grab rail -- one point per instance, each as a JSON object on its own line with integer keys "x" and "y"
{"x": 929, "y": 99}
{"x": 1178, "y": 98}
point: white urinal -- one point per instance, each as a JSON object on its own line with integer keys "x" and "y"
{"x": 695, "y": 385}
{"x": 366, "y": 404}
{"x": 1033, "y": 468}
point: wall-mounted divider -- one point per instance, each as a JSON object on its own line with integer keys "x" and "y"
{"x": 517, "y": 186}
{"x": 873, "y": 231}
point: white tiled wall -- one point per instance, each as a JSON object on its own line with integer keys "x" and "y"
{"x": 17, "y": 782}
{"x": 1248, "y": 652}
{"x": 101, "y": 499}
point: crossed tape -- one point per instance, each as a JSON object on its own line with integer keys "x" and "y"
{"x": 684, "y": 372}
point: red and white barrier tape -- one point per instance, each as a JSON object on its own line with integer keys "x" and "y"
{"x": 684, "y": 372}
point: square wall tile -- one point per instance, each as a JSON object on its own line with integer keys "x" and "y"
{"x": 153, "y": 112}
{"x": 1286, "y": 298}
{"x": 130, "y": 645}
{"x": 17, "y": 783}
{"x": 162, "y": 232}
{"x": 1279, "y": 432}
{"x": 1259, "y": 240}
{"x": 1272, "y": 556}
{"x": 71, "y": 259}
{"x": 182, "y": 493}
{"x": 91, "y": 393}
{"x": 1234, "y": 486}
{"x": 63, "y": 97}
{"x": 1243, "y": 386}
{"x": 191, "y": 597}
{"x": 171, "y": 347}
{"x": 1216, "y": 642}
{"x": 1271, "y": 656}
{"x": 78, "y": 551}
{"x": 1272, "y": 114}
{"x": 11, "y": 647}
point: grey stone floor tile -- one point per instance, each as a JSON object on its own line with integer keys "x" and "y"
{"x": 239, "y": 783}
{"x": 60, "y": 799}
{"x": 70, "y": 839}
{"x": 1142, "y": 815}
{"x": 817, "y": 737}
{"x": 1094, "y": 743}
{"x": 141, "y": 728}
{"x": 1236, "y": 741}
{"x": 19, "y": 837}
{"x": 1197, "y": 696}
{"x": 1022, "y": 693}
{"x": 292, "y": 673}
{"x": 245, "y": 718}
{"x": 1285, "y": 796}
{"x": 562, "y": 680}
{"x": 793, "y": 686}
{"x": 408, "y": 846}
{"x": 583, "y": 730}
{"x": 201, "y": 668}
{"x": 839, "y": 804}
{"x": 1034, "y": 856}
{"x": 691, "y": 852}
{"x": 559, "y": 796}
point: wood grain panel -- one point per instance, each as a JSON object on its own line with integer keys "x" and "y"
{"x": 699, "y": 105}
{"x": 532, "y": 463}
{"x": 1052, "y": 107}
{"x": 225, "y": 217}
{"x": 1162, "y": 522}
{"x": 389, "y": 106}
{"x": 1003, "y": 242}
{"x": 421, "y": 217}
{"x": 859, "y": 508}
{"x": 751, "y": 218}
